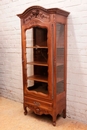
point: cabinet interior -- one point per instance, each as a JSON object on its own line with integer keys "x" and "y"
{"x": 37, "y": 60}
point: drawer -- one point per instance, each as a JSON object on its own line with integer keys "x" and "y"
{"x": 38, "y": 106}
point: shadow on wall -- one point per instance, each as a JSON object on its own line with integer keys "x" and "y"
{"x": 76, "y": 71}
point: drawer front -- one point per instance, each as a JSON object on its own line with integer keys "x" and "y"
{"x": 39, "y": 107}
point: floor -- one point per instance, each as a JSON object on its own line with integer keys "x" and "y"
{"x": 12, "y": 118}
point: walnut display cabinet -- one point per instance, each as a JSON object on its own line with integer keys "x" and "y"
{"x": 44, "y": 55}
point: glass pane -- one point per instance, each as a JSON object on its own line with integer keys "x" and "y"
{"x": 40, "y": 37}
{"x": 60, "y": 57}
{"x": 37, "y": 86}
{"x": 37, "y": 60}
{"x": 37, "y": 70}
{"x": 36, "y": 37}
{"x": 29, "y": 37}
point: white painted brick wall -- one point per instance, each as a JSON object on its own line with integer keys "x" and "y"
{"x": 10, "y": 52}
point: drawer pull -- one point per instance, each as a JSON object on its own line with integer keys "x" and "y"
{"x": 37, "y": 103}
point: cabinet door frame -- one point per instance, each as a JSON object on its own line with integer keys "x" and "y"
{"x": 50, "y": 61}
{"x": 60, "y": 20}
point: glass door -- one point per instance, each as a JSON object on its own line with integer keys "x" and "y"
{"x": 60, "y": 57}
{"x": 37, "y": 60}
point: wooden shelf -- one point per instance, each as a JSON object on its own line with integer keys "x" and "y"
{"x": 38, "y": 63}
{"x": 36, "y": 47}
{"x": 60, "y": 64}
{"x": 42, "y": 63}
{"x": 60, "y": 79}
{"x": 60, "y": 47}
{"x": 38, "y": 78}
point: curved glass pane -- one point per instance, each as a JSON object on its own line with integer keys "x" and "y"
{"x": 60, "y": 57}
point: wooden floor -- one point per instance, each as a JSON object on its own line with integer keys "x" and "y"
{"x": 12, "y": 118}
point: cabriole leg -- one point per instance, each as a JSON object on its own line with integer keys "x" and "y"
{"x": 54, "y": 121}
{"x": 64, "y": 113}
{"x": 25, "y": 110}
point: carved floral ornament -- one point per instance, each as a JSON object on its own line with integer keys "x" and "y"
{"x": 37, "y": 14}
{"x": 39, "y": 111}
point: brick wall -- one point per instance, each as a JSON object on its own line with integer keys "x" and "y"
{"x": 10, "y": 52}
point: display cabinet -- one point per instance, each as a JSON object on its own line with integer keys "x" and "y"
{"x": 44, "y": 60}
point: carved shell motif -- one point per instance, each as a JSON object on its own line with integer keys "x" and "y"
{"x": 37, "y": 14}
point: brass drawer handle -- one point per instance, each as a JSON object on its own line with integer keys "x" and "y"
{"x": 36, "y": 103}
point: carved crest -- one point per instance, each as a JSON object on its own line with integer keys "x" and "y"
{"x": 38, "y": 15}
